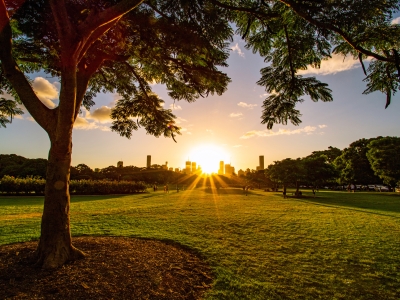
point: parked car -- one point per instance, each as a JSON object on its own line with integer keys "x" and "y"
{"x": 382, "y": 188}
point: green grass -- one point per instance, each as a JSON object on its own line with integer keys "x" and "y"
{"x": 335, "y": 246}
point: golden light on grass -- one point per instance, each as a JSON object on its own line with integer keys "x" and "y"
{"x": 208, "y": 157}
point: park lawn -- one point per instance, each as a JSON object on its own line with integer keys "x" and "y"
{"x": 338, "y": 245}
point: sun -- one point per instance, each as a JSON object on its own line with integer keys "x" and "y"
{"x": 208, "y": 157}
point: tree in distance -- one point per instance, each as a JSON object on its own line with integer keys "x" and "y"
{"x": 123, "y": 46}
{"x": 383, "y": 155}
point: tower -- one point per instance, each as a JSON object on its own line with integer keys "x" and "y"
{"x": 148, "y": 161}
{"x": 221, "y": 168}
{"x": 193, "y": 167}
{"x": 261, "y": 162}
{"x": 120, "y": 164}
{"x": 188, "y": 167}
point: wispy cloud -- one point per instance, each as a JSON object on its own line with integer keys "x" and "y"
{"x": 47, "y": 92}
{"x": 246, "y": 105}
{"x": 179, "y": 120}
{"x": 237, "y": 146}
{"x": 396, "y": 21}
{"x": 336, "y": 64}
{"x": 82, "y": 123}
{"x": 237, "y": 49}
{"x": 235, "y": 115}
{"x": 175, "y": 107}
{"x": 185, "y": 130}
{"x": 269, "y": 133}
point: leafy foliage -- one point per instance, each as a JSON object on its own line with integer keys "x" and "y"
{"x": 353, "y": 164}
{"x": 8, "y": 109}
{"x": 383, "y": 155}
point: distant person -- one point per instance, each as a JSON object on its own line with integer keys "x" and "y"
{"x": 284, "y": 193}
{"x": 352, "y": 188}
{"x": 166, "y": 189}
{"x": 155, "y": 188}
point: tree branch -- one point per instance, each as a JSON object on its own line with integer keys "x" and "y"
{"x": 297, "y": 9}
{"x": 97, "y": 19}
{"x": 44, "y": 116}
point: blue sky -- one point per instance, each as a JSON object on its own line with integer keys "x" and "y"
{"x": 230, "y": 122}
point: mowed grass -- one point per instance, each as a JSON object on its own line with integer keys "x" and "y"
{"x": 338, "y": 245}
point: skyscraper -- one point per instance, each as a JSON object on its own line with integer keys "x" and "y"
{"x": 148, "y": 161}
{"x": 221, "y": 168}
{"x": 188, "y": 167}
{"x": 261, "y": 162}
{"x": 193, "y": 167}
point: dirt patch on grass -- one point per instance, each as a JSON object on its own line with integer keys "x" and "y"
{"x": 115, "y": 268}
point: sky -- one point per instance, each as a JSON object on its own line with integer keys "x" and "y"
{"x": 215, "y": 128}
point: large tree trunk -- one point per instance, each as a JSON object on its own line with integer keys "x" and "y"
{"x": 55, "y": 245}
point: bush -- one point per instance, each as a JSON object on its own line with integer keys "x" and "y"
{"x": 36, "y": 186}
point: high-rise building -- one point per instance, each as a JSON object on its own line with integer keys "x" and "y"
{"x": 148, "y": 161}
{"x": 193, "y": 167}
{"x": 120, "y": 164}
{"x": 261, "y": 162}
{"x": 221, "y": 168}
{"x": 165, "y": 167}
{"x": 241, "y": 172}
{"x": 229, "y": 170}
{"x": 188, "y": 168}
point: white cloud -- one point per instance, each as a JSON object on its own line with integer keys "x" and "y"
{"x": 336, "y": 64}
{"x": 101, "y": 114}
{"x": 235, "y": 115}
{"x": 268, "y": 133}
{"x": 175, "y": 107}
{"x": 47, "y": 92}
{"x": 246, "y": 105}
{"x": 322, "y": 126}
{"x": 237, "y": 49}
{"x": 83, "y": 124}
{"x": 396, "y": 21}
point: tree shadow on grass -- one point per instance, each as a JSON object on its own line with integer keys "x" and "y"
{"x": 376, "y": 204}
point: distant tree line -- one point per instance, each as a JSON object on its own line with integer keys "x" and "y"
{"x": 364, "y": 162}
{"x": 21, "y": 167}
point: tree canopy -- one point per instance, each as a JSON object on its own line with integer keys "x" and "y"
{"x": 383, "y": 155}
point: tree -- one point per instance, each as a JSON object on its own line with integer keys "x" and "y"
{"x": 353, "y": 165}
{"x": 383, "y": 155}
{"x": 107, "y": 45}
{"x": 318, "y": 170}
{"x": 330, "y": 155}
{"x": 287, "y": 171}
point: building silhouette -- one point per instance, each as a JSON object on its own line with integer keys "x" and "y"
{"x": 261, "y": 163}
{"x": 120, "y": 164}
{"x": 221, "y": 168}
{"x": 188, "y": 168}
{"x": 148, "y": 161}
{"x": 229, "y": 170}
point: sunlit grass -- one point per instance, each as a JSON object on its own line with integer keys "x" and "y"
{"x": 335, "y": 246}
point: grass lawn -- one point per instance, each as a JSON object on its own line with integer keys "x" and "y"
{"x": 335, "y": 246}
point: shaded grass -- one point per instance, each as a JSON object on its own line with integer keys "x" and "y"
{"x": 335, "y": 246}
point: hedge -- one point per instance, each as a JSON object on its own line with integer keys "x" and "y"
{"x": 34, "y": 185}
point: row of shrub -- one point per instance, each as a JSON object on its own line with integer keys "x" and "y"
{"x": 36, "y": 186}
